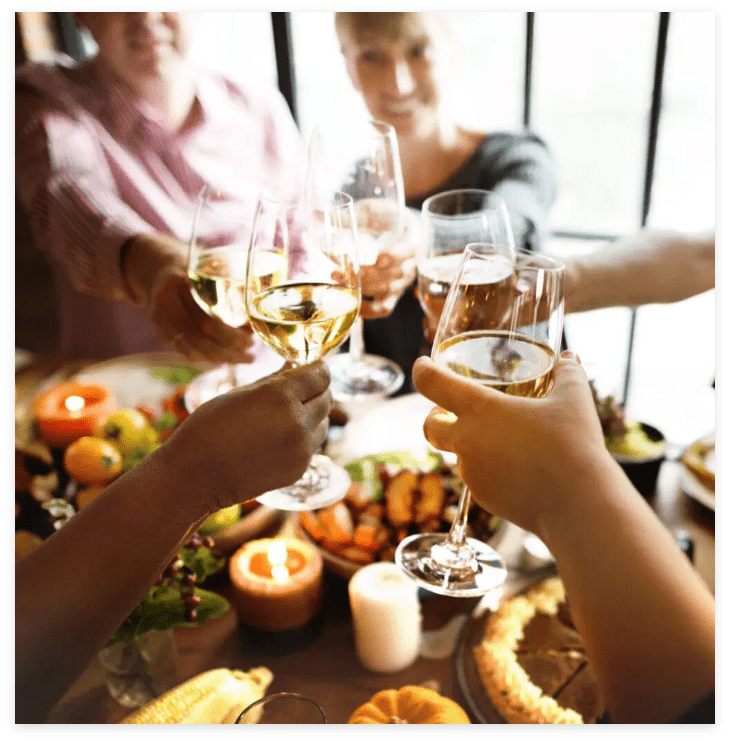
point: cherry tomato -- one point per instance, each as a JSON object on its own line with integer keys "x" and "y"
{"x": 175, "y": 403}
{"x": 92, "y": 460}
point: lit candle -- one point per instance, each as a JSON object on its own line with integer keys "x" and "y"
{"x": 277, "y": 583}
{"x": 386, "y": 617}
{"x": 71, "y": 410}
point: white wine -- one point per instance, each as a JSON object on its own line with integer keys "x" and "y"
{"x": 484, "y": 284}
{"x": 304, "y": 321}
{"x": 510, "y": 363}
{"x": 219, "y": 281}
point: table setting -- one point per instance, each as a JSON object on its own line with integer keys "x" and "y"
{"x": 373, "y": 590}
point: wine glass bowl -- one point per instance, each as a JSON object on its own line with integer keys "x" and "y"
{"x": 283, "y": 708}
{"x": 451, "y": 221}
{"x": 501, "y": 327}
{"x": 306, "y": 310}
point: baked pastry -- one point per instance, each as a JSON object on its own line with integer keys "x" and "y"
{"x": 533, "y": 664}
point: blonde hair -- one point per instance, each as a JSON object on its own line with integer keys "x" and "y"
{"x": 360, "y": 26}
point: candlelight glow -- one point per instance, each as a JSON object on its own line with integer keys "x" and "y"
{"x": 277, "y": 558}
{"x": 74, "y": 403}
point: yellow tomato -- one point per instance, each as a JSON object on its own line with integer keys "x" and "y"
{"x": 92, "y": 460}
{"x": 127, "y": 429}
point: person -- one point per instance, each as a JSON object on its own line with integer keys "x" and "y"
{"x": 96, "y": 569}
{"x": 111, "y": 154}
{"x": 645, "y": 615}
{"x": 403, "y": 65}
{"x": 650, "y": 267}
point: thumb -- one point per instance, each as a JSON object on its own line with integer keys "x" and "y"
{"x": 569, "y": 376}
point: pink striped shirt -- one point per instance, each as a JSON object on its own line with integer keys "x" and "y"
{"x": 95, "y": 167}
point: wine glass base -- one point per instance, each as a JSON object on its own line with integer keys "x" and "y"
{"x": 329, "y": 485}
{"x": 435, "y": 565}
{"x": 373, "y": 376}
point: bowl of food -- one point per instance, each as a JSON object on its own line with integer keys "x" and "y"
{"x": 393, "y": 495}
{"x": 638, "y": 447}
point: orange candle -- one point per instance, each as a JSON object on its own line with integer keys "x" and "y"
{"x": 71, "y": 410}
{"x": 277, "y": 583}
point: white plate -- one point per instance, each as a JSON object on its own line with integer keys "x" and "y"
{"x": 695, "y": 489}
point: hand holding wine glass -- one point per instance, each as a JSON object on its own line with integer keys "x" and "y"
{"x": 501, "y": 326}
{"x": 306, "y": 310}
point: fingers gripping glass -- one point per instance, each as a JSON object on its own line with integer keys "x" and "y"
{"x": 500, "y": 327}
{"x": 305, "y": 309}
{"x": 367, "y": 167}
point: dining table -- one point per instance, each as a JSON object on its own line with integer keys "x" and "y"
{"x": 320, "y": 660}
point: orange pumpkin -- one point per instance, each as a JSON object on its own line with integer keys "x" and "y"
{"x": 412, "y": 704}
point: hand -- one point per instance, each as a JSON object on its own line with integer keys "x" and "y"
{"x": 254, "y": 439}
{"x": 183, "y": 325}
{"x": 514, "y": 453}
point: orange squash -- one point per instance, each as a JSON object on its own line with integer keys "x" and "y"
{"x": 411, "y": 704}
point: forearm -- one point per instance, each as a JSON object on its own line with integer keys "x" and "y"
{"x": 645, "y": 615}
{"x": 74, "y": 592}
{"x": 650, "y": 267}
{"x": 143, "y": 256}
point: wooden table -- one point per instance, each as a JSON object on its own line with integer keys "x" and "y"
{"x": 320, "y": 661}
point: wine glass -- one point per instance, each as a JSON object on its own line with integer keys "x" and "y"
{"x": 283, "y": 708}
{"x": 501, "y": 326}
{"x": 366, "y": 165}
{"x": 451, "y": 221}
{"x": 217, "y": 263}
{"x": 305, "y": 311}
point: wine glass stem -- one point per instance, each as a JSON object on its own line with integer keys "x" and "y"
{"x": 357, "y": 341}
{"x": 457, "y": 532}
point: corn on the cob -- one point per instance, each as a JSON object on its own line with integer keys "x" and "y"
{"x": 213, "y": 697}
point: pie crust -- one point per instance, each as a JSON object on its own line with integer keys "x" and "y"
{"x": 532, "y": 661}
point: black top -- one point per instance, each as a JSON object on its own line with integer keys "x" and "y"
{"x": 519, "y": 167}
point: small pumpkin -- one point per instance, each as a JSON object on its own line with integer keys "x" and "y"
{"x": 411, "y": 704}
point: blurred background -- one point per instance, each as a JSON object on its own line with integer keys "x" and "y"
{"x": 626, "y": 102}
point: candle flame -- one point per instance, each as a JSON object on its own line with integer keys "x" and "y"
{"x": 74, "y": 403}
{"x": 277, "y": 558}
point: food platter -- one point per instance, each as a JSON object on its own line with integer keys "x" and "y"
{"x": 373, "y": 473}
{"x": 148, "y": 379}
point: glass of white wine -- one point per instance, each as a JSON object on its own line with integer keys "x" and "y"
{"x": 451, "y": 221}
{"x": 366, "y": 165}
{"x": 307, "y": 310}
{"x": 217, "y": 264}
{"x": 501, "y": 326}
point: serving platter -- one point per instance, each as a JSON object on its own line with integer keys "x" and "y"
{"x": 698, "y": 471}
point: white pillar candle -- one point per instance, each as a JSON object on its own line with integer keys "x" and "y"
{"x": 386, "y": 617}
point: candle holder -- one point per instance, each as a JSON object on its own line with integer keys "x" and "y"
{"x": 276, "y": 584}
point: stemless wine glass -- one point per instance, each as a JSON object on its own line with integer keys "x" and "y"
{"x": 366, "y": 165}
{"x": 283, "y": 708}
{"x": 451, "y": 221}
{"x": 501, "y": 326}
{"x": 305, "y": 311}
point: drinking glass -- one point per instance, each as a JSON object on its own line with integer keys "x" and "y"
{"x": 366, "y": 165}
{"x": 217, "y": 263}
{"x": 451, "y": 221}
{"x": 283, "y": 708}
{"x": 501, "y": 326}
{"x": 306, "y": 310}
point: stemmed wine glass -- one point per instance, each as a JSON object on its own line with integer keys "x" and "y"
{"x": 217, "y": 263}
{"x": 451, "y": 221}
{"x": 283, "y": 708}
{"x": 307, "y": 310}
{"x": 366, "y": 165}
{"x": 501, "y": 326}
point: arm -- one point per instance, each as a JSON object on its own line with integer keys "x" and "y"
{"x": 107, "y": 249}
{"x": 75, "y": 590}
{"x": 645, "y": 268}
{"x": 646, "y": 617}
